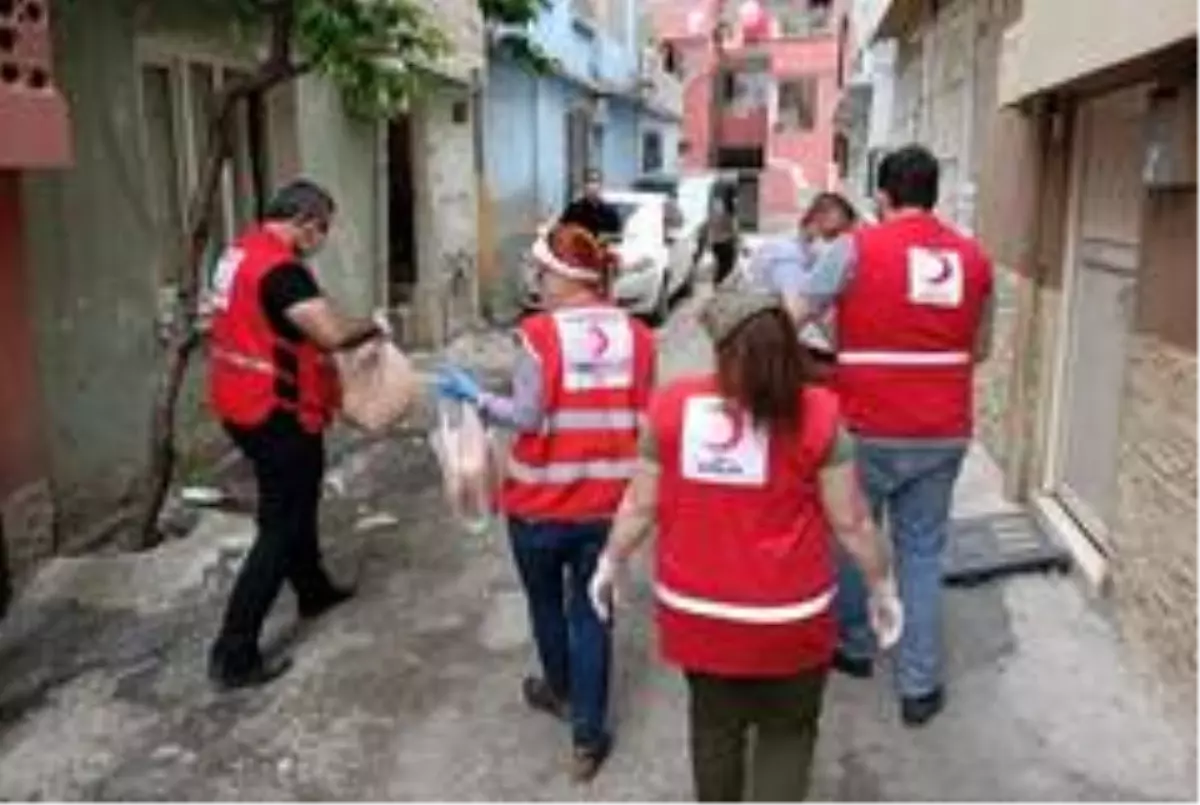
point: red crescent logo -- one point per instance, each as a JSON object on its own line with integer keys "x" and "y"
{"x": 598, "y": 340}
{"x": 735, "y": 426}
{"x": 947, "y": 270}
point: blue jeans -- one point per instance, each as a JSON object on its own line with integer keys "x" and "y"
{"x": 555, "y": 561}
{"x": 910, "y": 487}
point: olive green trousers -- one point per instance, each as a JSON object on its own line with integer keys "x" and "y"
{"x": 753, "y": 738}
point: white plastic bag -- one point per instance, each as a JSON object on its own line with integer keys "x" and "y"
{"x": 463, "y": 448}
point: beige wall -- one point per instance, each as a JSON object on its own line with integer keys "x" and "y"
{"x": 447, "y": 215}
{"x": 462, "y": 23}
{"x": 1059, "y": 41}
{"x": 1154, "y": 569}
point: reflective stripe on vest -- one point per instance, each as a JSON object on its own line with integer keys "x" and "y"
{"x": 746, "y": 613}
{"x": 567, "y": 472}
{"x": 241, "y": 361}
{"x": 902, "y": 358}
{"x": 592, "y": 419}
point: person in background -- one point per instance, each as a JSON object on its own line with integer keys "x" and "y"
{"x": 721, "y": 233}
{"x": 828, "y": 217}
{"x": 580, "y": 386}
{"x": 782, "y": 264}
{"x": 274, "y": 388}
{"x": 913, "y": 299}
{"x": 745, "y": 471}
{"x": 592, "y": 212}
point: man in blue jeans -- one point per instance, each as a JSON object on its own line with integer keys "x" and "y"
{"x": 913, "y": 300}
{"x": 580, "y": 386}
{"x": 571, "y": 642}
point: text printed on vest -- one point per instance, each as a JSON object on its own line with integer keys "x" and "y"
{"x": 935, "y": 277}
{"x": 720, "y": 445}
{"x": 597, "y": 349}
{"x": 224, "y": 276}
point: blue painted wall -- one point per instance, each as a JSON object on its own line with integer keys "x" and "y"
{"x": 525, "y": 149}
{"x": 525, "y": 139}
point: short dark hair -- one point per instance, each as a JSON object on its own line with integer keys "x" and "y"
{"x": 300, "y": 200}
{"x": 593, "y": 175}
{"x": 909, "y": 177}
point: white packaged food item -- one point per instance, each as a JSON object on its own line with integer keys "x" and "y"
{"x": 378, "y": 385}
{"x": 464, "y": 450}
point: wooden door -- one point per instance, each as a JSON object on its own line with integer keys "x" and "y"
{"x": 1100, "y": 296}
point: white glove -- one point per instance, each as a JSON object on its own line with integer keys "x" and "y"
{"x": 886, "y": 613}
{"x": 602, "y": 589}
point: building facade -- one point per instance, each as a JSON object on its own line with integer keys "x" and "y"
{"x": 35, "y": 138}
{"x": 1074, "y": 158}
{"x": 864, "y": 114}
{"x": 946, "y": 55}
{"x": 1100, "y": 150}
{"x": 762, "y": 84}
{"x": 96, "y": 240}
{"x": 606, "y": 104}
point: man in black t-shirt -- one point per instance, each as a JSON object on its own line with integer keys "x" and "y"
{"x": 288, "y": 459}
{"x": 592, "y": 212}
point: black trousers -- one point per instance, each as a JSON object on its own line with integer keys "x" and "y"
{"x": 725, "y": 255}
{"x": 289, "y": 463}
{"x": 753, "y": 738}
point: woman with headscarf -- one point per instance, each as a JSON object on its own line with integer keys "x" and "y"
{"x": 745, "y": 471}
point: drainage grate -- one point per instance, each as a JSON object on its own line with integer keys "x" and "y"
{"x": 983, "y": 548}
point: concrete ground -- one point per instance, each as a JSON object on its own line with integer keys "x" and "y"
{"x": 411, "y": 690}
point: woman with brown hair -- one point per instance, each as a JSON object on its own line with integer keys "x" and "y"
{"x": 580, "y": 387}
{"x": 745, "y": 471}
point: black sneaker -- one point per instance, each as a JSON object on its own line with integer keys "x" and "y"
{"x": 857, "y": 667}
{"x": 540, "y": 696}
{"x": 918, "y": 710}
{"x": 318, "y": 606}
{"x": 254, "y": 675}
{"x": 588, "y": 760}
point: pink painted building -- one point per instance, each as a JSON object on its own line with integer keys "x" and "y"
{"x": 777, "y": 68}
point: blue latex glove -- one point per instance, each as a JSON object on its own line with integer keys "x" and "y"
{"x": 457, "y": 384}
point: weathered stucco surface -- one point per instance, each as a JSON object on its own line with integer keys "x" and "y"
{"x": 94, "y": 282}
{"x": 342, "y": 154}
{"x": 96, "y": 259}
{"x": 1154, "y": 567}
{"x": 994, "y": 378}
{"x": 447, "y": 208}
{"x": 462, "y": 22}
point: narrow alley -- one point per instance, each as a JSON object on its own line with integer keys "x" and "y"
{"x": 411, "y": 691}
{"x": 222, "y": 223}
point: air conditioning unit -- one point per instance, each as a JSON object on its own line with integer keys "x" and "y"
{"x": 1170, "y": 158}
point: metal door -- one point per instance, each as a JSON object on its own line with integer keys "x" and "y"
{"x": 1100, "y": 295}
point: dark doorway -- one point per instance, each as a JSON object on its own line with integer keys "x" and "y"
{"x": 579, "y": 133}
{"x": 402, "y": 246}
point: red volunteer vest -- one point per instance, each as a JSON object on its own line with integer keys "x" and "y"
{"x": 597, "y": 372}
{"x": 252, "y": 371}
{"x": 745, "y": 575}
{"x": 907, "y": 324}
